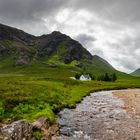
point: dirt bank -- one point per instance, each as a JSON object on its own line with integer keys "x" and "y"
{"x": 131, "y": 100}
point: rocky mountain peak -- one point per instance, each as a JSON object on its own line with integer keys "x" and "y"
{"x": 55, "y": 47}
{"x": 14, "y": 34}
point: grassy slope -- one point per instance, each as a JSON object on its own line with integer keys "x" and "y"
{"x": 136, "y": 73}
{"x": 29, "y": 92}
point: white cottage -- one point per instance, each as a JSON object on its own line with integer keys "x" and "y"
{"x": 85, "y": 77}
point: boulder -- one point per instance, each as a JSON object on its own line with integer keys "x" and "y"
{"x": 46, "y": 128}
{"x": 22, "y": 130}
{"x": 19, "y": 130}
{"x": 41, "y": 123}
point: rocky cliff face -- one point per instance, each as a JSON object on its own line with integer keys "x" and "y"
{"x": 62, "y": 45}
{"x": 53, "y": 49}
{"x": 10, "y": 33}
{"x": 18, "y": 43}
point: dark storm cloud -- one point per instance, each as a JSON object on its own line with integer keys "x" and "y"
{"x": 118, "y": 10}
{"x": 85, "y": 39}
{"x": 29, "y": 15}
{"x": 19, "y": 10}
{"x": 110, "y": 28}
{"x": 29, "y": 10}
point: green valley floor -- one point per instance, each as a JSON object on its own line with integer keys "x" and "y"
{"x": 31, "y": 96}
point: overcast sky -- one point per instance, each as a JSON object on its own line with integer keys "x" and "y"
{"x": 108, "y": 28}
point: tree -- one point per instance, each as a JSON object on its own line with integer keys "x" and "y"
{"x": 113, "y": 77}
{"x": 77, "y": 76}
{"x": 92, "y": 76}
{"x": 107, "y": 78}
{"x": 101, "y": 78}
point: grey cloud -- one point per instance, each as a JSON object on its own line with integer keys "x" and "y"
{"x": 116, "y": 10}
{"x": 28, "y": 10}
{"x": 85, "y": 39}
{"x": 29, "y": 15}
{"x": 35, "y": 9}
{"x": 126, "y": 63}
{"x": 125, "y": 54}
{"x": 111, "y": 17}
{"x": 97, "y": 51}
{"x": 121, "y": 10}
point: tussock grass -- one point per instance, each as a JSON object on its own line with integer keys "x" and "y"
{"x": 34, "y": 91}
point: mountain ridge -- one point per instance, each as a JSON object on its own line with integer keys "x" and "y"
{"x": 55, "y": 48}
{"x": 136, "y": 72}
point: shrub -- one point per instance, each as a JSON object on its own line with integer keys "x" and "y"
{"x": 77, "y": 76}
{"x": 92, "y": 76}
{"x": 107, "y": 77}
{"x": 37, "y": 134}
{"x": 113, "y": 77}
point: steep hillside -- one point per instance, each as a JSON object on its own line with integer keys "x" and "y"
{"x": 136, "y": 73}
{"x": 35, "y": 71}
{"x": 20, "y": 50}
{"x": 56, "y": 46}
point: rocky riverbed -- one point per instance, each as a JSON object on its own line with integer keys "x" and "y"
{"x": 106, "y": 115}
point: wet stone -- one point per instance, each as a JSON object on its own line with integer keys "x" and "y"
{"x": 100, "y": 116}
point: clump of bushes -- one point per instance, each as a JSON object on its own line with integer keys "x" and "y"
{"x": 103, "y": 77}
{"x": 77, "y": 76}
{"x": 107, "y": 77}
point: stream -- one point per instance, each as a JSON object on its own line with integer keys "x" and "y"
{"x": 99, "y": 116}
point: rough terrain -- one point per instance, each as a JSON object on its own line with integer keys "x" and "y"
{"x": 107, "y": 115}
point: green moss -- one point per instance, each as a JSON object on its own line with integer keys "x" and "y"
{"x": 37, "y": 134}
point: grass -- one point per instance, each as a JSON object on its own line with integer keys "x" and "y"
{"x": 37, "y": 90}
{"x": 34, "y": 91}
{"x": 37, "y": 135}
{"x": 136, "y": 73}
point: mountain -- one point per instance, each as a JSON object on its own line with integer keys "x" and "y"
{"x": 136, "y": 73}
{"x": 18, "y": 49}
{"x": 96, "y": 57}
{"x": 23, "y": 45}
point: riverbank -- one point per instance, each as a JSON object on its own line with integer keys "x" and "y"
{"x": 131, "y": 99}
{"x": 30, "y": 98}
{"x": 103, "y": 115}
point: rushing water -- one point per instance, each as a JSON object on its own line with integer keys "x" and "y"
{"x": 98, "y": 117}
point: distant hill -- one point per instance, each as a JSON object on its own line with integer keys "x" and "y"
{"x": 136, "y": 73}
{"x": 20, "y": 49}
